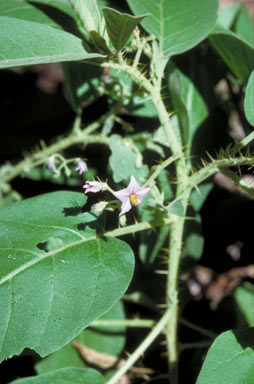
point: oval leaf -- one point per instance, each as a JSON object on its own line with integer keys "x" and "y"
{"x": 65, "y": 376}
{"x": 227, "y": 43}
{"x": 56, "y": 275}
{"x": 120, "y": 26}
{"x": 249, "y": 100}
{"x": 230, "y": 359}
{"x": 25, "y": 43}
{"x": 178, "y": 24}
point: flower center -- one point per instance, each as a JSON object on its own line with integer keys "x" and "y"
{"x": 133, "y": 199}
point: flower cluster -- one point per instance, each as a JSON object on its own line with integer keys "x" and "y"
{"x": 132, "y": 195}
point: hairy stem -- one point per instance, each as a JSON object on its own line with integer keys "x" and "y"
{"x": 177, "y": 227}
{"x": 38, "y": 158}
{"x": 142, "y": 347}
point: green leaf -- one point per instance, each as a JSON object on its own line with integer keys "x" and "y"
{"x": 176, "y": 207}
{"x": 48, "y": 297}
{"x": 237, "y": 54}
{"x": 142, "y": 107}
{"x": 54, "y": 13}
{"x": 82, "y": 82}
{"x": 227, "y": 15}
{"x": 244, "y": 26}
{"x": 178, "y": 24}
{"x": 244, "y": 296}
{"x": 26, "y": 43}
{"x": 65, "y": 376}
{"x": 193, "y": 239}
{"x": 230, "y": 359}
{"x": 125, "y": 160}
{"x": 120, "y": 26}
{"x": 199, "y": 195}
{"x": 104, "y": 339}
{"x": 249, "y": 100}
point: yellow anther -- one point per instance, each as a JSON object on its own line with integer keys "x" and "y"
{"x": 133, "y": 199}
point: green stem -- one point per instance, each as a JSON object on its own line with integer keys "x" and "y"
{"x": 135, "y": 228}
{"x": 160, "y": 167}
{"x": 216, "y": 166}
{"x": 132, "y": 323}
{"x": 198, "y": 344}
{"x": 142, "y": 347}
{"x": 245, "y": 141}
{"x": 201, "y": 330}
{"x": 177, "y": 227}
{"x": 154, "y": 92}
{"x": 175, "y": 247}
{"x": 39, "y": 158}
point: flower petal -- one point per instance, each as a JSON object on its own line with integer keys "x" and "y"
{"x": 133, "y": 186}
{"x": 126, "y": 206}
{"x": 141, "y": 193}
{"x": 122, "y": 195}
{"x": 92, "y": 186}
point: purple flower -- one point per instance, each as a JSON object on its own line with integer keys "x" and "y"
{"x": 93, "y": 186}
{"x": 132, "y": 195}
{"x": 81, "y": 167}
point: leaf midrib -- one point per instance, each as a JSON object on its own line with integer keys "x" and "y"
{"x": 45, "y": 226}
{"x": 42, "y": 257}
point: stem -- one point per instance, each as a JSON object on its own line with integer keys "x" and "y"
{"x": 216, "y": 166}
{"x": 160, "y": 167}
{"x": 178, "y": 225}
{"x": 142, "y": 347}
{"x": 154, "y": 92}
{"x": 132, "y": 323}
{"x": 197, "y": 328}
{"x": 38, "y": 158}
{"x": 198, "y": 344}
{"x": 175, "y": 248}
{"x": 135, "y": 228}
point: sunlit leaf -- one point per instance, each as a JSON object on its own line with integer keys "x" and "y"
{"x": 56, "y": 274}
{"x": 65, "y": 376}
{"x": 230, "y": 359}
{"x": 26, "y": 43}
{"x": 178, "y": 24}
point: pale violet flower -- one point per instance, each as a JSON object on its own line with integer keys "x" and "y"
{"x": 81, "y": 167}
{"x": 93, "y": 186}
{"x": 132, "y": 195}
{"x": 51, "y": 164}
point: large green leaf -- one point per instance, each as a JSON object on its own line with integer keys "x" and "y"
{"x": 249, "y": 99}
{"x": 24, "y": 43}
{"x": 56, "y": 274}
{"x": 236, "y": 53}
{"x": 103, "y": 339}
{"x": 65, "y": 376}
{"x": 54, "y": 13}
{"x": 230, "y": 359}
{"x": 189, "y": 105}
{"x": 178, "y": 24}
{"x": 120, "y": 26}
